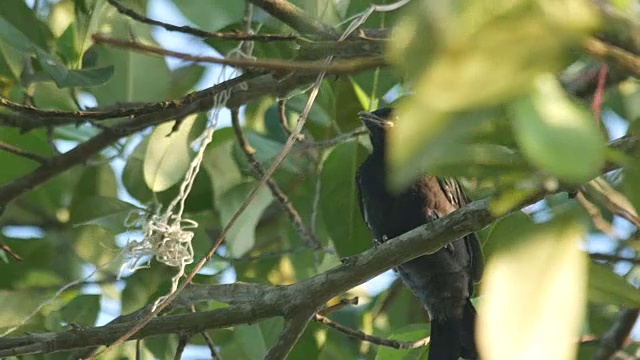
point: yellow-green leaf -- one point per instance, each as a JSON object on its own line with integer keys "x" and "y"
{"x": 554, "y": 133}
{"x": 168, "y": 155}
{"x": 534, "y": 291}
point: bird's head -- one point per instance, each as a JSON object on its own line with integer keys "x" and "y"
{"x": 377, "y": 123}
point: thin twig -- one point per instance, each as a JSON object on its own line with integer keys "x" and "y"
{"x": 357, "y": 334}
{"x": 282, "y": 118}
{"x": 598, "y": 96}
{"x": 282, "y": 198}
{"x": 11, "y": 253}
{"x": 336, "y": 140}
{"x": 335, "y": 307}
{"x": 247, "y": 46}
{"x": 183, "y": 340}
{"x": 20, "y": 152}
{"x": 314, "y": 67}
{"x": 293, "y": 329}
{"x": 198, "y": 32}
{"x": 595, "y": 214}
{"x": 614, "y": 258}
{"x": 210, "y": 345}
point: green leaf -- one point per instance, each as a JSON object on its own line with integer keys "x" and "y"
{"x": 184, "y": 79}
{"x": 20, "y": 27}
{"x": 553, "y": 132}
{"x": 242, "y": 236}
{"x": 266, "y": 151}
{"x": 82, "y": 310}
{"x": 208, "y": 18}
{"x": 533, "y": 290}
{"x": 339, "y": 199}
{"x": 457, "y": 70}
{"x": 412, "y": 332}
{"x": 64, "y": 77}
{"x": 131, "y": 81}
{"x": 251, "y": 340}
{"x": 162, "y": 347}
{"x": 94, "y": 181}
{"x": 606, "y": 287}
{"x": 16, "y": 305}
{"x": 107, "y": 212}
{"x": 168, "y": 155}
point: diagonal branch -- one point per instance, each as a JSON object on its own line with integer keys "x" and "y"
{"x": 253, "y": 302}
{"x": 296, "y": 18}
{"x": 313, "y": 67}
{"x": 249, "y": 152}
{"x": 360, "y": 335}
{"x": 198, "y": 32}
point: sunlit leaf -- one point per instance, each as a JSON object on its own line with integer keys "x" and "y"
{"x": 241, "y": 238}
{"x": 553, "y": 132}
{"x": 606, "y": 287}
{"x": 168, "y": 155}
{"x": 533, "y": 290}
{"x": 478, "y": 55}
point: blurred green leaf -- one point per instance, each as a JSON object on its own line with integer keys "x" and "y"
{"x": 266, "y": 151}
{"x": 413, "y": 332}
{"x": 184, "y": 80}
{"x": 64, "y": 77}
{"x": 553, "y": 132}
{"x": 16, "y": 305}
{"x": 533, "y": 290}
{"x": 606, "y": 287}
{"x": 211, "y": 16}
{"x": 162, "y": 347}
{"x": 339, "y": 199}
{"x": 478, "y": 55}
{"x": 241, "y": 238}
{"x": 20, "y": 27}
{"x": 168, "y": 155}
{"x": 82, "y": 310}
{"x": 250, "y": 338}
{"x": 106, "y": 212}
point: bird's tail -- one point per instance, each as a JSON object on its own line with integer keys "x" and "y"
{"x": 452, "y": 339}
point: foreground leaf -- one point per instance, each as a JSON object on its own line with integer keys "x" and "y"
{"x": 534, "y": 291}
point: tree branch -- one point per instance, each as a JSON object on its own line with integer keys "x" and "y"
{"x": 303, "y": 231}
{"x": 358, "y": 334}
{"x": 198, "y": 32}
{"x": 296, "y": 18}
{"x": 293, "y": 329}
{"x": 20, "y": 152}
{"x": 614, "y": 338}
{"x": 313, "y": 67}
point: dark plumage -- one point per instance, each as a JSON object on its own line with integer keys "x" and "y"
{"x": 443, "y": 281}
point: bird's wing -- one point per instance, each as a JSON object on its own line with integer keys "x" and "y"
{"x": 361, "y": 204}
{"x": 456, "y": 196}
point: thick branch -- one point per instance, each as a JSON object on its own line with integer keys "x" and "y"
{"x": 252, "y": 302}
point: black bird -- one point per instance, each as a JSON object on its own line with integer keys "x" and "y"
{"x": 443, "y": 281}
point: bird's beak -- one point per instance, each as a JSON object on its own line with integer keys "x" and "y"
{"x": 370, "y": 118}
